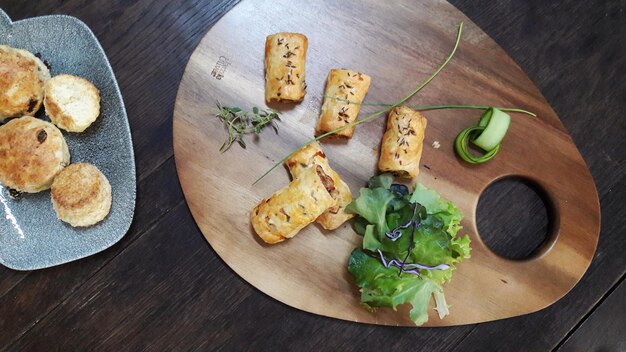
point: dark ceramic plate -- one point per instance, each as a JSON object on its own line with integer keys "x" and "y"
{"x": 31, "y": 237}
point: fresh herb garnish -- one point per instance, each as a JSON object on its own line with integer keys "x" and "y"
{"x": 410, "y": 268}
{"x": 441, "y": 107}
{"x": 405, "y": 233}
{"x": 378, "y": 113}
{"x": 239, "y": 123}
{"x": 419, "y": 214}
{"x": 389, "y": 107}
{"x": 487, "y": 135}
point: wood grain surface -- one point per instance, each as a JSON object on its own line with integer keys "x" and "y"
{"x": 604, "y": 329}
{"x": 309, "y": 272}
{"x": 153, "y": 298}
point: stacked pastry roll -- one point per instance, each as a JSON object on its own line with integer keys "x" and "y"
{"x": 312, "y": 154}
{"x": 285, "y": 57}
{"x": 286, "y": 212}
{"x": 401, "y": 147}
{"x": 317, "y": 193}
{"x": 344, "y": 93}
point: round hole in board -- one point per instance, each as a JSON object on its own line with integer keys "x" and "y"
{"x": 515, "y": 218}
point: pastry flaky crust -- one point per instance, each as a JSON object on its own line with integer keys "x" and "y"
{"x": 401, "y": 148}
{"x": 286, "y": 212}
{"x": 285, "y": 57}
{"x": 345, "y": 90}
{"x": 312, "y": 154}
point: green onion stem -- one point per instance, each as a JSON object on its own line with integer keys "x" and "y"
{"x": 440, "y": 107}
{"x": 478, "y": 107}
{"x": 376, "y": 114}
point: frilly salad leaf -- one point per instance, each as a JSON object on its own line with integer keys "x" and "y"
{"x": 427, "y": 226}
{"x": 435, "y": 205}
{"x": 382, "y": 287}
{"x": 372, "y": 206}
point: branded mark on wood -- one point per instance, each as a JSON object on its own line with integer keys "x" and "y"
{"x": 220, "y": 67}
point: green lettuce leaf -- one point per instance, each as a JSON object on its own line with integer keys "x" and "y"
{"x": 370, "y": 240}
{"x": 445, "y": 210}
{"x": 382, "y": 287}
{"x": 372, "y": 205}
{"x": 382, "y": 207}
{"x": 380, "y": 181}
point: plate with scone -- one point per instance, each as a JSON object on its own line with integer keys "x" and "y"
{"x": 67, "y": 169}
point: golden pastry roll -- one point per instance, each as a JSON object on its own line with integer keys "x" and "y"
{"x": 344, "y": 93}
{"x": 286, "y": 212}
{"x": 401, "y": 148}
{"x": 285, "y": 56}
{"x": 312, "y": 154}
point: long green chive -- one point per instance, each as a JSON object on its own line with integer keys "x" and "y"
{"x": 376, "y": 114}
{"x": 441, "y": 107}
{"x": 487, "y": 134}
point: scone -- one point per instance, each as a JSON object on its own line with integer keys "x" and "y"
{"x": 81, "y": 195}
{"x": 22, "y": 80}
{"x": 71, "y": 102}
{"x": 32, "y": 153}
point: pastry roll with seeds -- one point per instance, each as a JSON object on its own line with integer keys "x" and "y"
{"x": 312, "y": 154}
{"x": 286, "y": 212}
{"x": 345, "y": 90}
{"x": 285, "y": 55}
{"x": 401, "y": 148}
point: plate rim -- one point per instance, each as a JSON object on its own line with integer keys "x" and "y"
{"x": 7, "y": 22}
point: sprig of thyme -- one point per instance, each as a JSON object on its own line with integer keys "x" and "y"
{"x": 239, "y": 123}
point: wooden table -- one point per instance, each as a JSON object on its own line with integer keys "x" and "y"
{"x": 163, "y": 288}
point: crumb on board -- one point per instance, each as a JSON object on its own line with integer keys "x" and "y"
{"x": 436, "y": 144}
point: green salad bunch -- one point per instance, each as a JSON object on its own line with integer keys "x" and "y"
{"x": 410, "y": 246}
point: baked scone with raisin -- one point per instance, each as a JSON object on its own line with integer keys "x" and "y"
{"x": 22, "y": 80}
{"x": 32, "y": 153}
{"x": 71, "y": 102}
{"x": 81, "y": 195}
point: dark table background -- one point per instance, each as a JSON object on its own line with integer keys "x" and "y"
{"x": 162, "y": 287}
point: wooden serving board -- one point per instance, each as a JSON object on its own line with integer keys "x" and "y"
{"x": 398, "y": 45}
